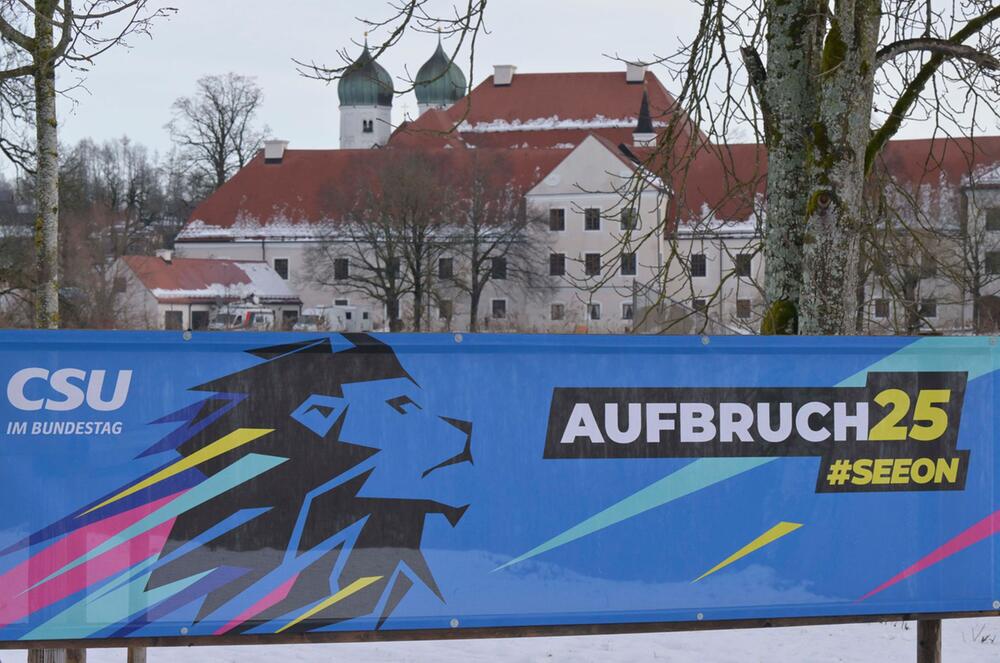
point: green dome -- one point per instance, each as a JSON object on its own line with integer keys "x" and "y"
{"x": 365, "y": 83}
{"x": 439, "y": 82}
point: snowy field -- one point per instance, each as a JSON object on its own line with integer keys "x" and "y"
{"x": 965, "y": 641}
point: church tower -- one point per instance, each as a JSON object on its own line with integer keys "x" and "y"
{"x": 439, "y": 82}
{"x": 365, "y": 92}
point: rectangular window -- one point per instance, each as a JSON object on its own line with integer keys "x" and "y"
{"x": 743, "y": 309}
{"x": 594, "y": 311}
{"x": 743, "y": 263}
{"x": 558, "y": 311}
{"x": 592, "y": 264}
{"x": 928, "y": 308}
{"x": 341, "y": 302}
{"x": 699, "y": 305}
{"x": 628, "y": 312}
{"x": 499, "y": 308}
{"x": 557, "y": 220}
{"x": 445, "y": 309}
{"x": 498, "y": 269}
{"x": 698, "y": 264}
{"x": 591, "y": 219}
{"x": 881, "y": 308}
{"x": 281, "y": 266}
{"x": 341, "y": 269}
{"x": 392, "y": 309}
{"x": 199, "y": 320}
{"x": 173, "y": 320}
{"x": 993, "y": 262}
{"x": 367, "y": 126}
{"x": 628, "y": 219}
{"x": 628, "y": 264}
{"x": 557, "y": 264}
{"x": 993, "y": 219}
{"x": 446, "y": 268}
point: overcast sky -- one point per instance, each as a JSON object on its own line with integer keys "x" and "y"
{"x": 129, "y": 91}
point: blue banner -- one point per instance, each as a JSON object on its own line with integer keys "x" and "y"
{"x": 287, "y": 484}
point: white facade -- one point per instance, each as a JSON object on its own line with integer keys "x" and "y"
{"x": 364, "y": 127}
{"x": 592, "y": 177}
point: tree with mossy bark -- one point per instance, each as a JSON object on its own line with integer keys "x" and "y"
{"x": 41, "y": 38}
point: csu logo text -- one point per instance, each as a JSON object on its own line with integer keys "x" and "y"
{"x": 66, "y": 389}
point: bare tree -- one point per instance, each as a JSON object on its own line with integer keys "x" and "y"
{"x": 40, "y": 38}
{"x": 215, "y": 129}
{"x": 493, "y": 233}
{"x": 361, "y": 243}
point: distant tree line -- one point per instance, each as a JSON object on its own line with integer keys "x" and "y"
{"x": 119, "y": 197}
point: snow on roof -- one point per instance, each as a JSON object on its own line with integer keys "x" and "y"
{"x": 192, "y": 280}
{"x": 552, "y": 123}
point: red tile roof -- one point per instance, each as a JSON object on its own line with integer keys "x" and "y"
{"x": 197, "y": 280}
{"x": 723, "y": 181}
{"x": 573, "y": 103}
{"x": 306, "y": 187}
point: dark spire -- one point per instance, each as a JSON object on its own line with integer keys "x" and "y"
{"x": 645, "y": 124}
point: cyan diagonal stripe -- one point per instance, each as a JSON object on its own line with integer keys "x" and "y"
{"x": 242, "y": 470}
{"x": 114, "y": 607}
{"x": 972, "y": 354}
{"x": 690, "y": 478}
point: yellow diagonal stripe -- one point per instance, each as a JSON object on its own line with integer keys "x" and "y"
{"x": 353, "y": 588}
{"x": 770, "y": 536}
{"x": 237, "y": 438}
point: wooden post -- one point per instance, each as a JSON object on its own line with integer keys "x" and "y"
{"x": 929, "y": 641}
{"x": 136, "y": 655}
{"x": 76, "y": 656}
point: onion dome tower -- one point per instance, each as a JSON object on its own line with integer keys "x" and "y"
{"x": 365, "y": 92}
{"x": 439, "y": 82}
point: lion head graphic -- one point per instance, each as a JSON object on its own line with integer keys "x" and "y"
{"x": 295, "y": 500}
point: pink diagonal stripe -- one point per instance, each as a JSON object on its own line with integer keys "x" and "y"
{"x": 39, "y": 566}
{"x": 986, "y": 527}
{"x": 260, "y": 606}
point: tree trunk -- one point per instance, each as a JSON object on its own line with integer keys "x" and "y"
{"x": 474, "y": 309}
{"x": 837, "y": 165}
{"x": 47, "y": 179}
{"x": 794, "y": 36}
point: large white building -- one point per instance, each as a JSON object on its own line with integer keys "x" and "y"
{"x": 622, "y": 247}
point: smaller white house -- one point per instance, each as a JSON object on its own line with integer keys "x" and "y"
{"x": 166, "y": 292}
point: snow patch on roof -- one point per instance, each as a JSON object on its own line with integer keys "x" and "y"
{"x": 250, "y": 228}
{"x": 244, "y": 280}
{"x": 549, "y": 124}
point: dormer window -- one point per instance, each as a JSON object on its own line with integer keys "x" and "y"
{"x": 367, "y": 126}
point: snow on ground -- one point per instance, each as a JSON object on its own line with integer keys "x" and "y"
{"x": 965, "y": 641}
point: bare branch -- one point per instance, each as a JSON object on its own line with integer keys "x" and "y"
{"x": 943, "y": 47}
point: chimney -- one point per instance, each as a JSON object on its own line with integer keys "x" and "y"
{"x": 166, "y": 255}
{"x": 274, "y": 150}
{"x": 503, "y": 74}
{"x": 635, "y": 72}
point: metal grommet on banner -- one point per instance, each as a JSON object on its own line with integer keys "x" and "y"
{"x": 996, "y": 605}
{"x": 458, "y": 338}
{"x": 184, "y": 630}
{"x": 453, "y": 622}
{"x": 704, "y": 340}
{"x": 187, "y": 335}
{"x": 700, "y": 616}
